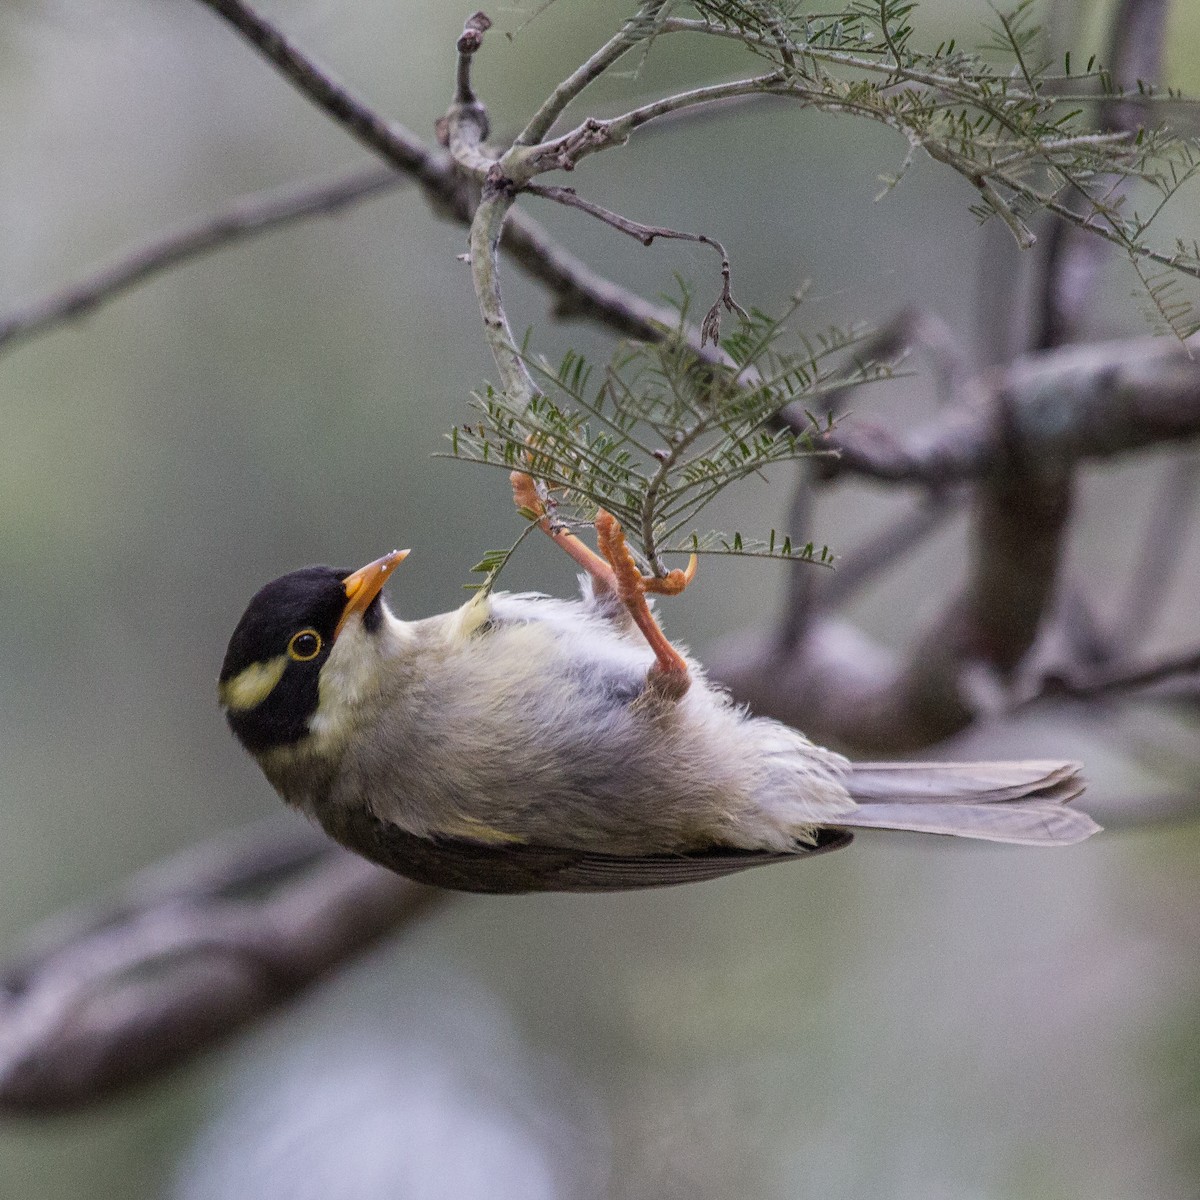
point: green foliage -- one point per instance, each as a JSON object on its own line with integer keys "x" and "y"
{"x": 655, "y": 434}
{"x": 1024, "y": 137}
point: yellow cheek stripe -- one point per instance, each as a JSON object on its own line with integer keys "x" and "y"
{"x": 251, "y": 687}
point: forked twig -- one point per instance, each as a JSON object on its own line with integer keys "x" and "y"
{"x": 710, "y": 327}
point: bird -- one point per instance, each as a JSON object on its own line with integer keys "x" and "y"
{"x": 523, "y": 742}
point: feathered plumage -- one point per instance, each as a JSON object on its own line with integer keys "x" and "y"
{"x": 518, "y": 731}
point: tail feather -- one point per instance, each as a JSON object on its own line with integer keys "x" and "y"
{"x": 1018, "y": 802}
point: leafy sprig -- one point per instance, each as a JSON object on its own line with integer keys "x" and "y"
{"x": 655, "y": 434}
{"x": 1022, "y": 135}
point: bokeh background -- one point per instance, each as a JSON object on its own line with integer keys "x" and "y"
{"x": 908, "y": 1019}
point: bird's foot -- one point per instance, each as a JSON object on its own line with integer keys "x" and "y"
{"x": 528, "y": 499}
{"x": 614, "y": 571}
{"x": 669, "y": 676}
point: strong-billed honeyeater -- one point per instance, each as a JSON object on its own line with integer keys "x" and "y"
{"x": 527, "y": 743}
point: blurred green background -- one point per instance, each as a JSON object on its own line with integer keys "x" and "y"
{"x": 908, "y": 1019}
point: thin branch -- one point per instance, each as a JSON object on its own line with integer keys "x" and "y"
{"x": 1126, "y": 676}
{"x": 245, "y": 218}
{"x": 710, "y": 327}
{"x": 387, "y": 138}
{"x": 633, "y": 32}
{"x": 580, "y": 292}
{"x": 889, "y": 546}
{"x": 469, "y": 42}
{"x": 593, "y": 135}
{"x": 1073, "y": 261}
{"x": 909, "y": 330}
{"x": 204, "y": 945}
{"x": 792, "y": 623}
{"x": 466, "y": 125}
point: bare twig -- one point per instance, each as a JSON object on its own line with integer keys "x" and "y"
{"x": 1126, "y": 676}
{"x": 245, "y": 218}
{"x": 469, "y": 41}
{"x": 579, "y": 291}
{"x": 205, "y": 945}
{"x": 633, "y": 32}
{"x": 392, "y": 141}
{"x": 710, "y": 327}
{"x": 465, "y": 127}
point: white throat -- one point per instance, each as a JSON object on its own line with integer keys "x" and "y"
{"x": 353, "y": 676}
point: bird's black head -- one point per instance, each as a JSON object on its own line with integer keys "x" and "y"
{"x": 269, "y": 682}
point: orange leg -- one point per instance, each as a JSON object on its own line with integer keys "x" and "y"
{"x": 525, "y": 494}
{"x": 669, "y": 674}
{"x": 617, "y": 572}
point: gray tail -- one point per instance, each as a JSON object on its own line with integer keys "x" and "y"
{"x": 1019, "y": 802}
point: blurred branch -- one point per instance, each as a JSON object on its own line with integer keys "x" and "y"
{"x": 579, "y": 292}
{"x": 1177, "y": 667}
{"x": 910, "y": 330}
{"x": 889, "y": 546}
{"x": 1019, "y": 434}
{"x": 245, "y": 218}
{"x": 1095, "y": 401}
{"x": 1171, "y": 513}
{"x": 1073, "y": 260}
{"x": 191, "y": 951}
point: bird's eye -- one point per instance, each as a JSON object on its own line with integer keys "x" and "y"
{"x": 305, "y": 645}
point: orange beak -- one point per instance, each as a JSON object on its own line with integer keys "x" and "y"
{"x": 365, "y": 584}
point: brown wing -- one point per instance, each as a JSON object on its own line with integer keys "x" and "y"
{"x": 471, "y": 867}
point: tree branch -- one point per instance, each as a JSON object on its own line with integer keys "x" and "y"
{"x": 198, "y": 947}
{"x": 587, "y": 73}
{"x": 1121, "y": 677}
{"x": 710, "y": 327}
{"x": 1045, "y": 413}
{"x": 1090, "y": 402}
{"x": 403, "y": 149}
{"x": 245, "y": 218}
{"x": 580, "y": 292}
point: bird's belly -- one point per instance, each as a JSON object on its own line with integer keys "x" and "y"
{"x": 521, "y": 735}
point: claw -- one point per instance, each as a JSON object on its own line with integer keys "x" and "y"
{"x": 673, "y": 582}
